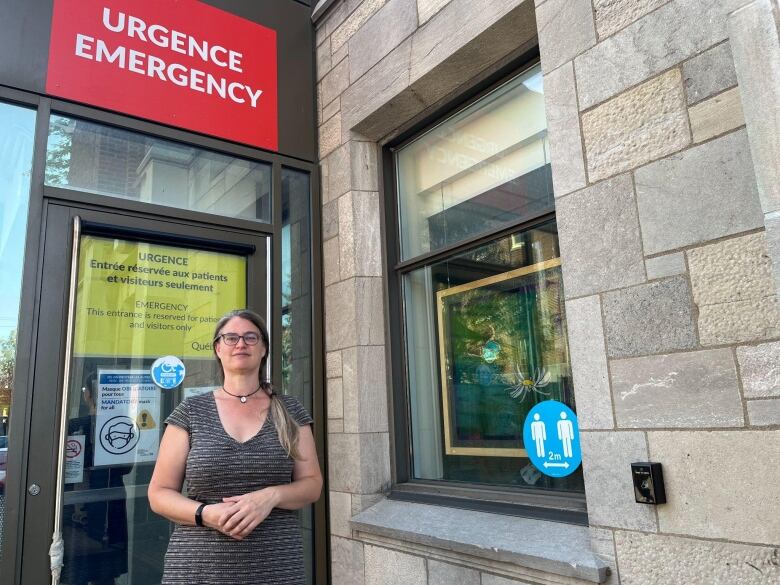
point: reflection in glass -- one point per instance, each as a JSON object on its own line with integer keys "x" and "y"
{"x": 16, "y": 151}
{"x": 135, "y": 302}
{"x": 90, "y": 157}
{"x": 483, "y": 168}
{"x": 296, "y": 312}
{"x": 486, "y": 341}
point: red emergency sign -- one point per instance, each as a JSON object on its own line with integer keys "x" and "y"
{"x": 178, "y": 62}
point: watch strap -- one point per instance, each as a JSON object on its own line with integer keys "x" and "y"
{"x": 199, "y": 515}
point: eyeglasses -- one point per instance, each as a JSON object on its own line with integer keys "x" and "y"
{"x": 232, "y": 338}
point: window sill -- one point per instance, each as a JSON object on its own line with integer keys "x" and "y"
{"x": 551, "y": 547}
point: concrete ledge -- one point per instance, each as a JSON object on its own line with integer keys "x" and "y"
{"x": 561, "y": 549}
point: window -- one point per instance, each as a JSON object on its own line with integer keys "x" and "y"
{"x": 480, "y": 286}
{"x": 16, "y": 155}
{"x": 85, "y": 156}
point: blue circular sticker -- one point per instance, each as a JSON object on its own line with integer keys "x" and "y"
{"x": 552, "y": 438}
{"x": 167, "y": 372}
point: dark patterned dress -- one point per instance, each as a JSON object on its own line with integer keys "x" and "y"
{"x": 219, "y": 466}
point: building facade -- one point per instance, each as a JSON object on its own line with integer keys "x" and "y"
{"x": 158, "y": 167}
{"x": 567, "y": 199}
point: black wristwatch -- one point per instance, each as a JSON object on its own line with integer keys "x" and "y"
{"x": 199, "y": 515}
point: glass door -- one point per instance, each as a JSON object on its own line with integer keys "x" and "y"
{"x": 124, "y": 335}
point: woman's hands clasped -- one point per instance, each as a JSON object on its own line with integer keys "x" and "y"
{"x": 238, "y": 516}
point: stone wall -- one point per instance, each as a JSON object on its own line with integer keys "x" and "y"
{"x": 672, "y": 309}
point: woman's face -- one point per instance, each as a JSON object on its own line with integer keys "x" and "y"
{"x": 240, "y": 357}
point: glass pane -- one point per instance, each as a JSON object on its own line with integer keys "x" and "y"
{"x": 16, "y": 152}
{"x": 89, "y": 157}
{"x": 486, "y": 341}
{"x": 296, "y": 313}
{"x": 136, "y": 302}
{"x": 483, "y": 168}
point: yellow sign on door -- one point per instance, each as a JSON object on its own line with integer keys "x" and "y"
{"x": 146, "y": 300}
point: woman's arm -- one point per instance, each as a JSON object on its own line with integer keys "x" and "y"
{"x": 249, "y": 510}
{"x": 165, "y": 495}
{"x": 306, "y": 486}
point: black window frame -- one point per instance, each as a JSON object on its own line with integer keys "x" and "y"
{"x": 538, "y": 503}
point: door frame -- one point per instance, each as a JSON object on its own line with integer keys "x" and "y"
{"x": 50, "y": 353}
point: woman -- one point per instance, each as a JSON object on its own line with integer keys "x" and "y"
{"x": 249, "y": 460}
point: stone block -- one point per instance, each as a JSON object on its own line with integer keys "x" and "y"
{"x": 340, "y": 513}
{"x": 606, "y": 459}
{"x": 330, "y": 21}
{"x": 378, "y": 87}
{"x": 363, "y": 162}
{"x": 340, "y": 311}
{"x": 734, "y": 290}
{"x": 365, "y": 389}
{"x": 339, "y": 173}
{"x": 704, "y": 193}
{"x": 353, "y": 22}
{"x": 671, "y": 34}
{"x": 359, "y": 234}
{"x": 335, "y": 425}
{"x": 347, "y": 561}
{"x": 756, "y": 48}
{"x": 600, "y": 244}
{"x": 670, "y": 559}
{"x": 355, "y": 313}
{"x": 330, "y": 220}
{"x": 666, "y": 265}
{"x": 602, "y": 542}
{"x": 709, "y": 73}
{"x": 565, "y": 30}
{"x": 640, "y": 125}
{"x": 333, "y": 364}
{"x": 489, "y": 537}
{"x": 679, "y": 390}
{"x": 389, "y": 567}
{"x": 358, "y": 463}
{"x": 427, "y": 8}
{"x": 335, "y": 398}
{"x": 760, "y": 369}
{"x": 651, "y": 318}
{"x": 764, "y": 413}
{"x": 323, "y": 58}
{"x": 369, "y": 311}
{"x": 334, "y": 83}
{"x": 488, "y": 579}
{"x": 589, "y": 363}
{"x": 330, "y": 135}
{"x": 720, "y": 484}
{"x": 340, "y": 54}
{"x": 382, "y": 33}
{"x": 772, "y": 225}
{"x": 455, "y": 28}
{"x": 446, "y": 574}
{"x": 614, "y": 15}
{"x": 330, "y": 261}
{"x": 361, "y": 502}
{"x": 331, "y": 109}
{"x": 563, "y": 128}
{"x": 325, "y": 180}
{"x": 717, "y": 115}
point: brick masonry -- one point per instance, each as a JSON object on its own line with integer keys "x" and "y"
{"x": 667, "y": 255}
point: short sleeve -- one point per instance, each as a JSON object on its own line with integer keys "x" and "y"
{"x": 299, "y": 414}
{"x": 180, "y": 416}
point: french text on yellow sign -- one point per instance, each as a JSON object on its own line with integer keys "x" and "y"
{"x": 147, "y": 300}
